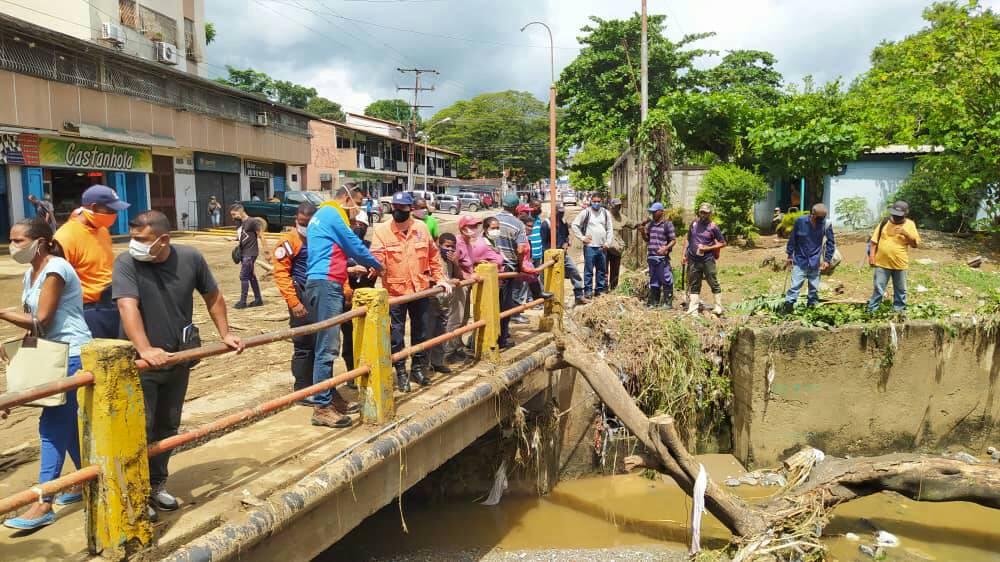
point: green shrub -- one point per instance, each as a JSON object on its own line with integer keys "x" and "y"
{"x": 787, "y": 222}
{"x": 732, "y": 191}
{"x": 854, "y": 212}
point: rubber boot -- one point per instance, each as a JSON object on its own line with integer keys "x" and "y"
{"x": 717, "y": 309}
{"x": 693, "y": 302}
{"x": 654, "y": 297}
{"x": 668, "y": 298}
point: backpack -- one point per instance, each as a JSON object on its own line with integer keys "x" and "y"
{"x": 586, "y": 222}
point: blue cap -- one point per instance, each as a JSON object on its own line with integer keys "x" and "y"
{"x": 402, "y": 198}
{"x": 103, "y": 195}
{"x": 656, "y": 207}
{"x": 510, "y": 200}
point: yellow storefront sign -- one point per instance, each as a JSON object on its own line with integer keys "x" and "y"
{"x": 95, "y": 156}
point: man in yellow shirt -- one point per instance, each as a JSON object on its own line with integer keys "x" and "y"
{"x": 889, "y": 255}
{"x": 86, "y": 243}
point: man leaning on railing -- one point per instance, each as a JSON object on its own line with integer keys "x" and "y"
{"x": 153, "y": 285}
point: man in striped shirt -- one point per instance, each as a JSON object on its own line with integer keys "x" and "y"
{"x": 660, "y": 237}
{"x": 512, "y": 243}
{"x": 535, "y": 236}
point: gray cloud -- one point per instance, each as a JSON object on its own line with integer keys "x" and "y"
{"x": 306, "y": 42}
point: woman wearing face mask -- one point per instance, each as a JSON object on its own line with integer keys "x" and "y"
{"x": 491, "y": 231}
{"x": 53, "y": 299}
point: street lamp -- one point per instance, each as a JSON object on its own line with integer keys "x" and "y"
{"x": 552, "y": 132}
{"x": 425, "y": 135}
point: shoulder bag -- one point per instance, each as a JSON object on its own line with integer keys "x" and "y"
{"x": 872, "y": 247}
{"x": 34, "y": 360}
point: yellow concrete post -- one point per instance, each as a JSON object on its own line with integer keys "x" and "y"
{"x": 113, "y": 437}
{"x": 486, "y": 306}
{"x": 555, "y": 281}
{"x": 372, "y": 347}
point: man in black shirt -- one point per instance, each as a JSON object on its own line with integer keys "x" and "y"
{"x": 250, "y": 237}
{"x": 153, "y": 285}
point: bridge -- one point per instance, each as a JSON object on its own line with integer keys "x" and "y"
{"x": 262, "y": 483}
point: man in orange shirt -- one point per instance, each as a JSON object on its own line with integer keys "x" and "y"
{"x": 410, "y": 262}
{"x": 291, "y": 257}
{"x": 86, "y": 243}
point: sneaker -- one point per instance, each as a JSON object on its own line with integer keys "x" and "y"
{"x": 328, "y": 416}
{"x": 257, "y": 302}
{"x": 162, "y": 499}
{"x": 152, "y": 514}
{"x": 240, "y": 305}
{"x": 520, "y": 319}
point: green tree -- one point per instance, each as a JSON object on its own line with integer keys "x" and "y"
{"x": 809, "y": 134}
{"x": 732, "y": 191}
{"x": 391, "y": 110}
{"x": 941, "y": 87}
{"x": 495, "y": 131}
{"x": 749, "y": 73}
{"x": 249, "y": 80}
{"x": 292, "y": 94}
{"x": 599, "y": 90}
{"x": 590, "y": 166}
{"x": 713, "y": 122}
{"x": 326, "y": 108}
{"x": 209, "y": 32}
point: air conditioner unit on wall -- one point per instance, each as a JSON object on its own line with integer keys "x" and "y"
{"x": 166, "y": 52}
{"x": 260, "y": 119}
{"x": 113, "y": 33}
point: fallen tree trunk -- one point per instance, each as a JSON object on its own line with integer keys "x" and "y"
{"x": 831, "y": 482}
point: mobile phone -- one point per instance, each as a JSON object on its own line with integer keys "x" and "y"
{"x": 187, "y": 333}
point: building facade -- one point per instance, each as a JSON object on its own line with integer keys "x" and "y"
{"x": 373, "y": 153}
{"x": 74, "y": 113}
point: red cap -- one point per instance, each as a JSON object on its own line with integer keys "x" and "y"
{"x": 469, "y": 220}
{"x": 523, "y": 208}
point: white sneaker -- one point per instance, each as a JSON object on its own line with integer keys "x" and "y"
{"x": 162, "y": 499}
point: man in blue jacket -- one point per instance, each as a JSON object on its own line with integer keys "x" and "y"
{"x": 805, "y": 244}
{"x": 331, "y": 242}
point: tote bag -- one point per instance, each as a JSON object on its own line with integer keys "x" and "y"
{"x": 34, "y": 360}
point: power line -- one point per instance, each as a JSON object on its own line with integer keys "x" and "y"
{"x": 417, "y": 88}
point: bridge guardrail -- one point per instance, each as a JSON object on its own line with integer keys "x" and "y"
{"x": 112, "y": 423}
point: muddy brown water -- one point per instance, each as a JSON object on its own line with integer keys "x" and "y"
{"x": 617, "y": 512}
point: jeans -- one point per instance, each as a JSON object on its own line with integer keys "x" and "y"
{"x": 418, "y": 312}
{"x": 799, "y": 276}
{"x": 509, "y": 291}
{"x": 698, "y": 270}
{"x": 303, "y": 347}
{"x": 59, "y": 435}
{"x": 594, "y": 260}
{"x": 326, "y": 299}
{"x": 216, "y": 218}
{"x": 248, "y": 278}
{"x": 660, "y": 274}
{"x": 573, "y": 274}
{"x": 614, "y": 267}
{"x": 163, "y": 392}
{"x": 882, "y": 277}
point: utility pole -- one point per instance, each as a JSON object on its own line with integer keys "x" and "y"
{"x": 645, "y": 65}
{"x": 416, "y": 107}
{"x": 552, "y": 131}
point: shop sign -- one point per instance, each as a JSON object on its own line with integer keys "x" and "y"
{"x": 19, "y": 149}
{"x": 258, "y": 169}
{"x": 76, "y": 154}
{"x": 206, "y": 162}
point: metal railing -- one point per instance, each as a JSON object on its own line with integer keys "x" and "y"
{"x": 120, "y": 536}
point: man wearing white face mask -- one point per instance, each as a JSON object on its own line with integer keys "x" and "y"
{"x": 291, "y": 260}
{"x": 153, "y": 285}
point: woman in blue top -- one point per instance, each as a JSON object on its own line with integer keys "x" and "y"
{"x": 52, "y": 297}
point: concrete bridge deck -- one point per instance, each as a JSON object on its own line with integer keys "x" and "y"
{"x": 284, "y": 489}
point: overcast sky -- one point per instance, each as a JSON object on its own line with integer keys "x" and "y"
{"x": 477, "y": 47}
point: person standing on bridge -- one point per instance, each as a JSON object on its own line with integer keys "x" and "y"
{"x": 153, "y": 284}
{"x": 594, "y": 227}
{"x": 422, "y": 213}
{"x": 53, "y": 309}
{"x": 411, "y": 264}
{"x": 291, "y": 260}
{"x": 86, "y": 243}
{"x": 562, "y": 242}
{"x": 331, "y": 243}
{"x": 810, "y": 235}
{"x": 511, "y": 240}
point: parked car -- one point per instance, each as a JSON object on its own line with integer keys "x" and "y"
{"x": 279, "y": 215}
{"x": 386, "y": 202}
{"x": 471, "y": 202}
{"x": 448, "y": 204}
{"x": 569, "y": 198}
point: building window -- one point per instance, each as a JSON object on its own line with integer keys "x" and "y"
{"x": 156, "y": 26}
{"x": 127, "y": 13}
{"x": 190, "y": 40}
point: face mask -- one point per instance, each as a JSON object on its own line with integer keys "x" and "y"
{"x": 302, "y": 230}
{"x": 420, "y": 214}
{"x": 536, "y": 213}
{"x": 25, "y": 254}
{"x": 493, "y": 233}
{"x": 140, "y": 251}
{"x": 704, "y": 220}
{"x": 898, "y": 220}
{"x": 100, "y": 220}
{"x": 595, "y": 206}
{"x": 400, "y": 216}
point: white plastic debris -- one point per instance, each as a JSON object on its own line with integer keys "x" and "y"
{"x": 886, "y": 539}
{"x": 820, "y": 456}
{"x": 499, "y": 485}
{"x": 853, "y": 537}
{"x": 733, "y": 482}
{"x": 872, "y": 551}
{"x": 893, "y": 336}
{"x": 921, "y": 289}
{"x": 698, "y": 508}
{"x": 964, "y": 457}
{"x": 925, "y": 261}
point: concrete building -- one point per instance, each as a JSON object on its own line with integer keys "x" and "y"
{"x": 74, "y": 112}
{"x": 372, "y": 152}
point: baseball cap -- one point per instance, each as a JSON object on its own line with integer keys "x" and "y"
{"x": 615, "y": 202}
{"x": 103, "y": 195}
{"x": 704, "y": 208}
{"x": 899, "y": 209}
{"x": 510, "y": 200}
{"x": 402, "y": 198}
{"x": 469, "y": 220}
{"x": 656, "y": 207}
{"x": 523, "y": 208}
